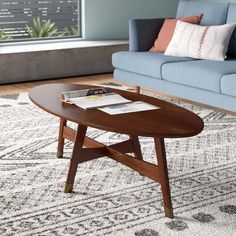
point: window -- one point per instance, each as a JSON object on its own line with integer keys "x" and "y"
{"x": 39, "y": 19}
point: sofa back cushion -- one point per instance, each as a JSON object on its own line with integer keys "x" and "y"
{"x": 213, "y": 13}
{"x": 200, "y": 42}
{"x": 167, "y": 31}
{"x": 232, "y": 19}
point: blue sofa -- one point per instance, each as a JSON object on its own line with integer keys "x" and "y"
{"x": 208, "y": 82}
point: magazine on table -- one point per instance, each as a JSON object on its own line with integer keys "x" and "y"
{"x": 93, "y": 98}
{"x": 128, "y": 108}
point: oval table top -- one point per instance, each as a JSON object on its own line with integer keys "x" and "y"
{"x": 170, "y": 121}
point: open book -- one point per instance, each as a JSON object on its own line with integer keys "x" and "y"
{"x": 93, "y": 98}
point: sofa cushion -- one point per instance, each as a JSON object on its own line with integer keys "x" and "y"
{"x": 146, "y": 63}
{"x": 202, "y": 74}
{"x": 201, "y": 42}
{"x": 228, "y": 84}
{"x": 232, "y": 19}
{"x": 165, "y": 35}
{"x": 213, "y": 13}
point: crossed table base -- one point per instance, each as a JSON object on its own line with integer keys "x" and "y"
{"x": 86, "y": 149}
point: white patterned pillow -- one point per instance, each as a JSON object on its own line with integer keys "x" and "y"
{"x": 201, "y": 42}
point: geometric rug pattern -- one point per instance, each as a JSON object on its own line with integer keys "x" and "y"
{"x": 109, "y": 198}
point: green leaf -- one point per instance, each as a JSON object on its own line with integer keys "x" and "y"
{"x": 72, "y": 31}
{"x": 41, "y": 29}
{"x": 4, "y": 36}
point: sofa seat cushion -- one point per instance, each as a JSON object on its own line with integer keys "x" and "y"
{"x": 145, "y": 63}
{"x": 204, "y": 74}
{"x": 228, "y": 85}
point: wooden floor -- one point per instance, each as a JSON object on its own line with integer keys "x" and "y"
{"x": 25, "y": 87}
{"x": 92, "y": 79}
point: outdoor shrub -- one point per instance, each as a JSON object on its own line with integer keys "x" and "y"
{"x": 42, "y": 29}
{"x": 72, "y": 31}
{"x": 4, "y": 36}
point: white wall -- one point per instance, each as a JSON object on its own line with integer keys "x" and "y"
{"x": 108, "y": 19}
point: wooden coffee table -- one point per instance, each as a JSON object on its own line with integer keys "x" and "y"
{"x": 170, "y": 121}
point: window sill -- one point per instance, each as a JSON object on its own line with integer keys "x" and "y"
{"x": 8, "y": 49}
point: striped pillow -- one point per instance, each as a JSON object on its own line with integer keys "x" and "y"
{"x": 200, "y": 42}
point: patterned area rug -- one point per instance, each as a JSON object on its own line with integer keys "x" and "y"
{"x": 109, "y": 198}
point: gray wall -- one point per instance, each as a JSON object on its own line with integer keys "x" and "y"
{"x": 108, "y": 19}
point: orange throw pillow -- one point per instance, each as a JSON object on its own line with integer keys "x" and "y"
{"x": 167, "y": 31}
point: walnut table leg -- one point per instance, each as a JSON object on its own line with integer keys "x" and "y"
{"x": 61, "y": 139}
{"x": 137, "y": 147}
{"x": 77, "y": 150}
{"x": 164, "y": 179}
{"x": 137, "y": 89}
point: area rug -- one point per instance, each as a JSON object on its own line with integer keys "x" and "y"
{"x": 109, "y": 198}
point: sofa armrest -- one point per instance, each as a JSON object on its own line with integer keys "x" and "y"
{"x": 143, "y": 32}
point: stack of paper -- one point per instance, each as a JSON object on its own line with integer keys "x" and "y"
{"x": 128, "y": 108}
